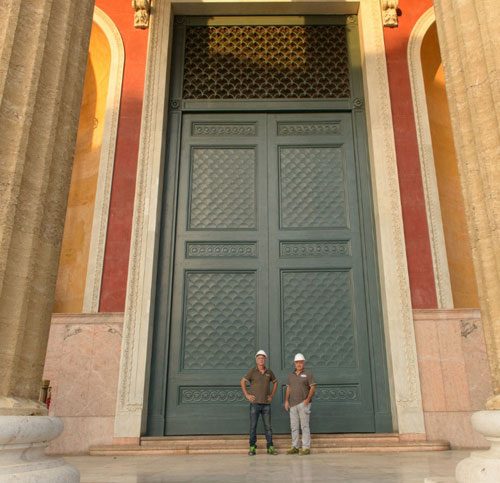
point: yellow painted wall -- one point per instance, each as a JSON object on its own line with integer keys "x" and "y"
{"x": 78, "y": 225}
{"x": 462, "y": 276}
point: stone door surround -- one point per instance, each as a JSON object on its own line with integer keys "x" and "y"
{"x": 131, "y": 410}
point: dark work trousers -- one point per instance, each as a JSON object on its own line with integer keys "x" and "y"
{"x": 265, "y": 411}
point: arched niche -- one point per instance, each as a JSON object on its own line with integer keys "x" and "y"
{"x": 451, "y": 252}
{"x": 82, "y": 252}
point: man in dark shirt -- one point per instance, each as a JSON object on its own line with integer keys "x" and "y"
{"x": 260, "y": 396}
{"x": 299, "y": 393}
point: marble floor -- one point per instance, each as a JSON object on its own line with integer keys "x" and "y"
{"x": 347, "y": 467}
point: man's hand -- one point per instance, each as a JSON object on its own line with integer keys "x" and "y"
{"x": 307, "y": 402}
{"x": 287, "y": 406}
{"x": 250, "y": 397}
{"x": 269, "y": 398}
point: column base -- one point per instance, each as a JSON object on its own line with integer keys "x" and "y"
{"x": 23, "y": 440}
{"x": 480, "y": 466}
{"x": 483, "y": 466}
{"x": 18, "y": 406}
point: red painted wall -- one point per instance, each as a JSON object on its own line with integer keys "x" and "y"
{"x": 116, "y": 257}
{"x": 418, "y": 250}
{"x": 114, "y": 281}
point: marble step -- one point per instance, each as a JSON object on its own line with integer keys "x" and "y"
{"x": 280, "y": 441}
{"x": 278, "y": 438}
{"x": 176, "y": 445}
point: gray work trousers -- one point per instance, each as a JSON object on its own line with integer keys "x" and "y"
{"x": 299, "y": 418}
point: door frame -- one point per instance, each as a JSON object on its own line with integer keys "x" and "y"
{"x": 166, "y": 250}
{"x": 133, "y": 385}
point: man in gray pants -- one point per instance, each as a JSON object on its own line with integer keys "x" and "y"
{"x": 299, "y": 393}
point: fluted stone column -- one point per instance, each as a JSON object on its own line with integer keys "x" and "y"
{"x": 469, "y": 38}
{"x": 43, "y": 52}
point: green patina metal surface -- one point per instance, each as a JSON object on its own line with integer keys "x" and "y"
{"x": 267, "y": 241}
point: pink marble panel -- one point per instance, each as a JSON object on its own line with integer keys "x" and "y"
{"x": 73, "y": 379}
{"x": 454, "y": 427}
{"x": 82, "y": 432}
{"x": 429, "y": 363}
{"x": 476, "y": 362}
{"x": 53, "y": 355}
{"x": 453, "y": 366}
{"x": 104, "y": 370}
{"x": 83, "y": 364}
{"x": 465, "y": 373}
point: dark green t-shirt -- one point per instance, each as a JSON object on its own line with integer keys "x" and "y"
{"x": 260, "y": 384}
{"x": 299, "y": 385}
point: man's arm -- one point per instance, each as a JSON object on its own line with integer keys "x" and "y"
{"x": 312, "y": 390}
{"x": 273, "y": 392}
{"x": 287, "y": 396}
{"x": 243, "y": 384}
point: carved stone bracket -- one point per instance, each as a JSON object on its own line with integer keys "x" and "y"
{"x": 390, "y": 13}
{"x": 142, "y": 10}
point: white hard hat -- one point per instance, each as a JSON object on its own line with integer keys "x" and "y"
{"x": 261, "y": 353}
{"x": 299, "y": 357}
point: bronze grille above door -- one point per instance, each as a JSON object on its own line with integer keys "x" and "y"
{"x": 266, "y": 62}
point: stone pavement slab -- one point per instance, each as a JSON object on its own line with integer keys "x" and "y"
{"x": 346, "y": 467}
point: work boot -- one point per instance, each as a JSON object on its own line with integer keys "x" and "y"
{"x": 252, "y": 450}
{"x": 304, "y": 452}
{"x": 272, "y": 450}
{"x": 293, "y": 450}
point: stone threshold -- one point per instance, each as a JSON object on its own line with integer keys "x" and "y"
{"x": 238, "y": 444}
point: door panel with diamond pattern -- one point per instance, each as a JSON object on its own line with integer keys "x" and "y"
{"x": 220, "y": 294}
{"x": 317, "y": 299}
{"x": 267, "y": 255}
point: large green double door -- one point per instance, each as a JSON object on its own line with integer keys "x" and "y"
{"x": 268, "y": 254}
